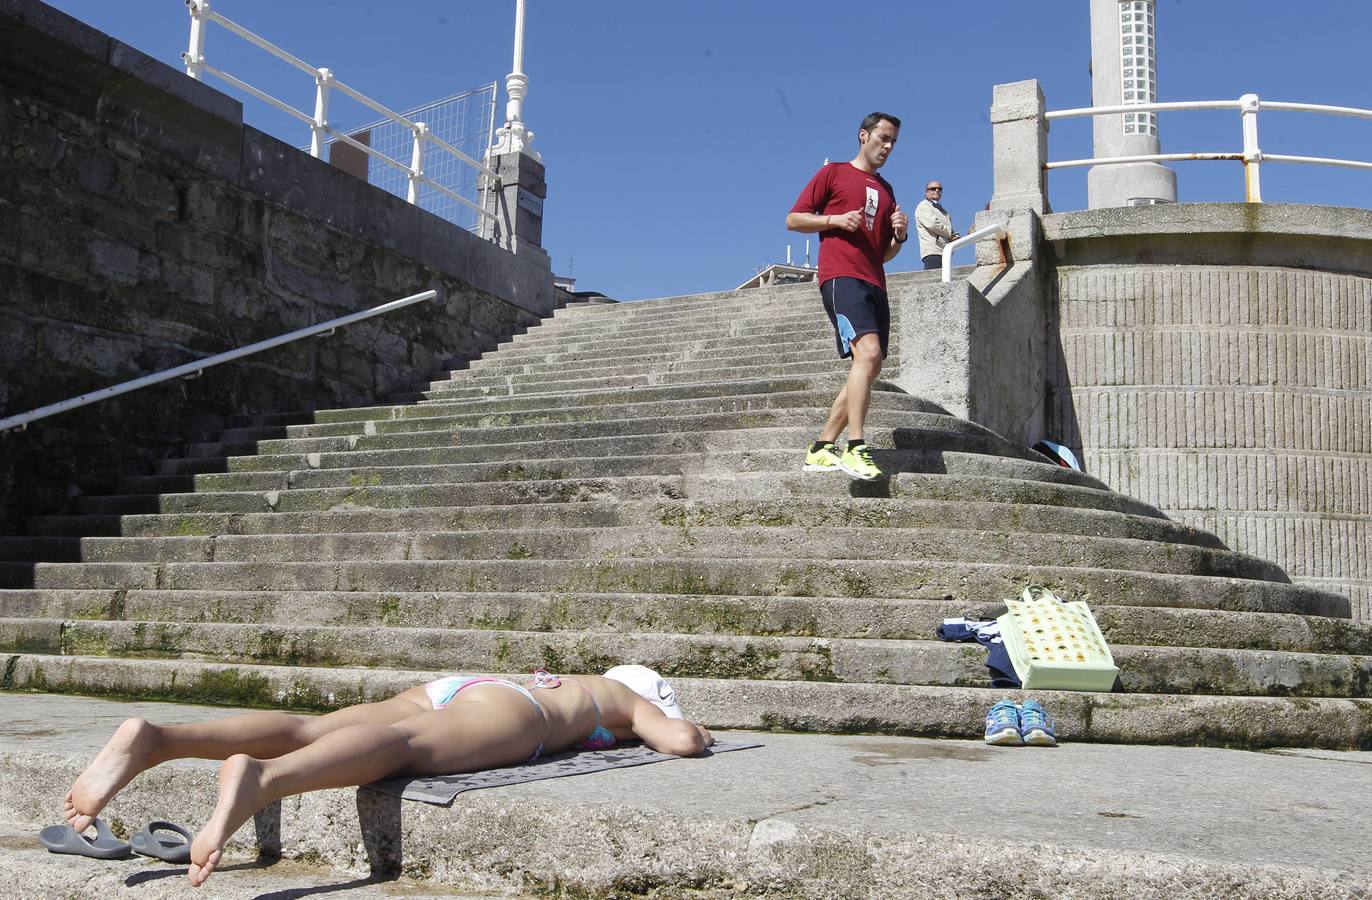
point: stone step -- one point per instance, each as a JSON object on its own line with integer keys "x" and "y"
{"x": 1145, "y": 670}
{"x": 645, "y": 352}
{"x": 714, "y": 367}
{"x": 646, "y": 359}
{"x": 935, "y": 711}
{"x": 886, "y": 423}
{"x": 818, "y": 617}
{"x": 567, "y": 490}
{"x": 829, "y": 385}
{"x": 636, "y": 541}
{"x": 806, "y": 336}
{"x": 824, "y": 818}
{"x": 1037, "y": 483}
{"x": 729, "y": 440}
{"x": 513, "y": 468}
{"x": 794, "y": 513}
{"x": 966, "y": 581}
{"x": 743, "y": 324}
{"x": 397, "y": 409}
{"x": 549, "y": 384}
{"x": 652, "y": 347}
{"x": 692, "y": 307}
{"x": 398, "y": 419}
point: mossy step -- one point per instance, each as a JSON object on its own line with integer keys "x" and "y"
{"x": 831, "y": 617}
{"x": 1244, "y": 722}
{"x": 337, "y": 452}
{"x": 610, "y": 396}
{"x": 806, "y": 513}
{"x": 568, "y": 490}
{"x": 967, "y": 581}
{"x": 1164, "y": 670}
{"x": 396, "y": 420}
{"x": 513, "y": 467}
{"x": 445, "y": 437}
{"x": 707, "y": 488}
{"x": 638, "y": 541}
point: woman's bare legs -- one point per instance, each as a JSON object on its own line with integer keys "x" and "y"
{"x": 138, "y": 745}
{"x": 487, "y": 726}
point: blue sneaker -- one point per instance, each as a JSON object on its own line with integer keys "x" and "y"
{"x": 1002, "y": 725}
{"x": 1035, "y": 728}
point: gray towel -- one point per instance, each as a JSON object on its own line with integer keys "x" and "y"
{"x": 441, "y": 789}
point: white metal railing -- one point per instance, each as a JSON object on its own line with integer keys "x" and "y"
{"x": 1251, "y": 156}
{"x": 320, "y": 129}
{"x": 966, "y": 240}
{"x": 197, "y": 368}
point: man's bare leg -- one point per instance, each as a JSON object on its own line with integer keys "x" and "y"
{"x": 137, "y": 745}
{"x": 862, "y": 373}
{"x": 838, "y": 416}
{"x": 477, "y": 731}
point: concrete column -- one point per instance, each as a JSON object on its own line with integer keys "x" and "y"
{"x": 517, "y": 203}
{"x": 1019, "y": 135}
{"x": 1124, "y": 70}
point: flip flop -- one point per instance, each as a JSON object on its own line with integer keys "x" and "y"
{"x": 147, "y": 843}
{"x": 65, "y": 839}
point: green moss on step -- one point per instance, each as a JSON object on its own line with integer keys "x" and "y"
{"x": 189, "y": 528}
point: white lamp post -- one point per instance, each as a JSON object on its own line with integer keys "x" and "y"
{"x": 513, "y": 137}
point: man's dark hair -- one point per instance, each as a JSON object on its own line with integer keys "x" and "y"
{"x": 873, "y": 119}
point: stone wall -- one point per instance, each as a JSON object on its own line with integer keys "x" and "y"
{"x": 1236, "y": 397}
{"x": 142, "y": 225}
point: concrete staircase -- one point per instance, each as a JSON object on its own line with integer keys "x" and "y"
{"x": 622, "y": 484}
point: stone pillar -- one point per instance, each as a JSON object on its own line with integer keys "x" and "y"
{"x": 1123, "y": 71}
{"x": 516, "y": 201}
{"x": 1019, "y": 136}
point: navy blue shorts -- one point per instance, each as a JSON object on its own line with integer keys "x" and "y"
{"x": 856, "y": 307}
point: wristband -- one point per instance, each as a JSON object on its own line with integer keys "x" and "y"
{"x": 902, "y": 240}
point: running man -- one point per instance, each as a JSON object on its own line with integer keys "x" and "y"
{"x": 860, "y": 227}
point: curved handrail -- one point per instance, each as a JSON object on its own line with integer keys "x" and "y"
{"x": 988, "y": 231}
{"x": 1252, "y": 156}
{"x": 195, "y": 369}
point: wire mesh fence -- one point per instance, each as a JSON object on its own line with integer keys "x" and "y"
{"x": 465, "y": 120}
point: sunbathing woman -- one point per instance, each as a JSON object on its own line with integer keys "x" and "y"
{"x": 457, "y": 724}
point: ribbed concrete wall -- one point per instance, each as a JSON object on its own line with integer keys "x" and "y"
{"x": 1236, "y": 398}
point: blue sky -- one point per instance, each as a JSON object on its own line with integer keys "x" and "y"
{"x": 677, "y": 135}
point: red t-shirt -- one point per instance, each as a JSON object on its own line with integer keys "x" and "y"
{"x": 841, "y": 188}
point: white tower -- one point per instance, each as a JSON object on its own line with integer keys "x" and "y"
{"x": 1124, "y": 70}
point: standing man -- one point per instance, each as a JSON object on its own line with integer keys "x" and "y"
{"x": 934, "y": 225}
{"x": 860, "y": 228}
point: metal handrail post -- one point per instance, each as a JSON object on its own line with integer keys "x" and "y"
{"x": 195, "y": 50}
{"x": 416, "y": 176}
{"x": 1252, "y": 152}
{"x": 988, "y": 231}
{"x": 319, "y": 128}
{"x": 194, "y": 369}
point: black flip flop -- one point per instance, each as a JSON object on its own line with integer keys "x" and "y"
{"x": 65, "y": 839}
{"x": 147, "y": 843}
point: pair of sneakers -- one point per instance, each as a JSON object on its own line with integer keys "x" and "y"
{"x": 855, "y": 461}
{"x": 1019, "y": 724}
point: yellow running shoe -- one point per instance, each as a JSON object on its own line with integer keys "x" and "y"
{"x": 857, "y": 462}
{"x": 825, "y": 459}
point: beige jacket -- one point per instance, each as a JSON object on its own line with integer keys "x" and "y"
{"x": 935, "y": 229}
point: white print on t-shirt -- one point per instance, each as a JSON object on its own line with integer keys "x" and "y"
{"x": 869, "y": 212}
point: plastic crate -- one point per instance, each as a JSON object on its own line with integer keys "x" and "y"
{"x": 1055, "y": 644}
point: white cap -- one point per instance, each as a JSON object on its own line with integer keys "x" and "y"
{"x": 650, "y": 686}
